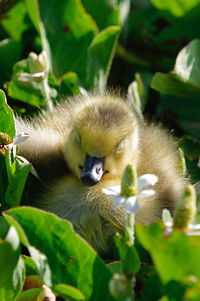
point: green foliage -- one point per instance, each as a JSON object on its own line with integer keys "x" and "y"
{"x": 92, "y": 45}
{"x": 61, "y": 242}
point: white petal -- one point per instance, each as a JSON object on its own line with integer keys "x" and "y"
{"x": 21, "y": 137}
{"x": 118, "y": 200}
{"x": 113, "y": 190}
{"x": 168, "y": 224}
{"x": 146, "y": 180}
{"x": 146, "y": 193}
{"x": 38, "y": 75}
{"x": 9, "y": 146}
{"x": 194, "y": 226}
{"x": 131, "y": 205}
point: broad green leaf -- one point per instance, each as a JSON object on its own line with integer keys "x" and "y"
{"x": 177, "y": 8}
{"x": 67, "y": 31}
{"x": 15, "y": 22}
{"x": 107, "y": 13}
{"x": 10, "y": 51}
{"x": 16, "y": 186}
{"x": 3, "y": 181}
{"x": 100, "y": 56}
{"x": 7, "y": 124}
{"x": 39, "y": 258}
{"x": 188, "y": 63}
{"x": 184, "y": 79}
{"x": 42, "y": 264}
{"x": 175, "y": 256}
{"x": 34, "y": 14}
{"x": 71, "y": 260}
{"x": 68, "y": 291}
{"x": 9, "y": 253}
{"x": 12, "y": 266}
{"x": 29, "y": 295}
{"x": 171, "y": 84}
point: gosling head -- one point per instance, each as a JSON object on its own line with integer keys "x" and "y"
{"x": 103, "y": 140}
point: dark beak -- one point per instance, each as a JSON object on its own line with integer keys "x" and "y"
{"x": 92, "y": 171}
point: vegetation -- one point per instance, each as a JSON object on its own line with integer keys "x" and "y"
{"x": 148, "y": 50}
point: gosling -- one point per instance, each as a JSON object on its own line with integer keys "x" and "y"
{"x": 83, "y": 146}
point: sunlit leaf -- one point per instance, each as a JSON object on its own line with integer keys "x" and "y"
{"x": 7, "y": 124}
{"x": 76, "y": 263}
{"x": 68, "y": 291}
{"x": 12, "y": 266}
{"x": 100, "y": 56}
{"x": 170, "y": 253}
{"x": 176, "y": 7}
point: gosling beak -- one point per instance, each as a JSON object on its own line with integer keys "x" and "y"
{"x": 92, "y": 171}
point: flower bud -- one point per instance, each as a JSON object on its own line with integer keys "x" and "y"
{"x": 181, "y": 162}
{"x": 120, "y": 287}
{"x": 38, "y": 63}
{"x": 186, "y": 209}
{"x": 5, "y": 139}
{"x": 129, "y": 182}
{"x": 46, "y": 294}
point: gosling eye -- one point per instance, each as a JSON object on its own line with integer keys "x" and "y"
{"x": 120, "y": 147}
{"x": 78, "y": 138}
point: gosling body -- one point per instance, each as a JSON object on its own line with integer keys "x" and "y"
{"x": 83, "y": 146}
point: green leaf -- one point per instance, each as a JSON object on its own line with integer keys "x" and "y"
{"x": 184, "y": 79}
{"x": 29, "y": 295}
{"x": 12, "y": 266}
{"x": 134, "y": 95}
{"x": 22, "y": 88}
{"x": 116, "y": 267}
{"x": 42, "y": 264}
{"x": 33, "y": 11}
{"x": 177, "y": 8}
{"x": 10, "y": 51}
{"x": 3, "y": 181}
{"x": 16, "y": 186}
{"x": 128, "y": 255}
{"x": 9, "y": 251}
{"x": 100, "y": 56}
{"x": 115, "y": 11}
{"x": 7, "y": 124}
{"x": 76, "y": 263}
{"x": 69, "y": 84}
{"x": 29, "y": 265}
{"x": 171, "y": 84}
{"x": 170, "y": 253}
{"x": 68, "y": 291}
{"x": 65, "y": 25}
{"x": 15, "y": 22}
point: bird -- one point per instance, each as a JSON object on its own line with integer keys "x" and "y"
{"x": 83, "y": 146}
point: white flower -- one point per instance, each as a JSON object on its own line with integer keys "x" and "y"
{"x": 131, "y": 203}
{"x": 21, "y": 137}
